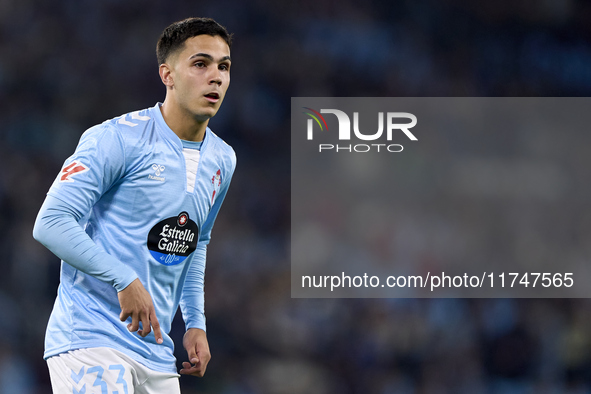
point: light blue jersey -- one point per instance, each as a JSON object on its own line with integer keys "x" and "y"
{"x": 148, "y": 202}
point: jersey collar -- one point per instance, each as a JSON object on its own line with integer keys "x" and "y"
{"x": 171, "y": 135}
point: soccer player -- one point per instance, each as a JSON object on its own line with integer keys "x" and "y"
{"x": 130, "y": 215}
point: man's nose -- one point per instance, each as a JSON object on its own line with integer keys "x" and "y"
{"x": 216, "y": 77}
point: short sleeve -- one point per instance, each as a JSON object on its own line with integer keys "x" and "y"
{"x": 96, "y": 165}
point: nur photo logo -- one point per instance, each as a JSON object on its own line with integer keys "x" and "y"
{"x": 393, "y": 125}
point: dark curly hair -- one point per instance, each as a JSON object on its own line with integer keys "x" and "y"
{"x": 175, "y": 35}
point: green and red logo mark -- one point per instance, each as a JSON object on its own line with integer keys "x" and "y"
{"x": 314, "y": 116}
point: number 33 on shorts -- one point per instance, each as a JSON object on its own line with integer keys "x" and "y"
{"x": 106, "y": 371}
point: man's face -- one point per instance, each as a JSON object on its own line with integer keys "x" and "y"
{"x": 201, "y": 74}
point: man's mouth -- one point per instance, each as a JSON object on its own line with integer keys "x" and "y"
{"x": 212, "y": 97}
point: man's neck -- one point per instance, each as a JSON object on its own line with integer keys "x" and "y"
{"x": 182, "y": 124}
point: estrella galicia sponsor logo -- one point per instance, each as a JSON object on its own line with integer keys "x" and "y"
{"x": 158, "y": 169}
{"x": 394, "y": 123}
{"x": 182, "y": 219}
{"x": 173, "y": 239}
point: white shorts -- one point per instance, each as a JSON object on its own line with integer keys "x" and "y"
{"x": 106, "y": 371}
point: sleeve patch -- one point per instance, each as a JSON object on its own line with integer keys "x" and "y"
{"x": 71, "y": 170}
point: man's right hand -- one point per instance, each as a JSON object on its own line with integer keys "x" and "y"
{"x": 136, "y": 302}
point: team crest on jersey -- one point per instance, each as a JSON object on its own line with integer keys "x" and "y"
{"x": 173, "y": 239}
{"x": 71, "y": 170}
{"x": 216, "y": 181}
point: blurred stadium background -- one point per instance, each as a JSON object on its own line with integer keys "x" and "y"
{"x": 69, "y": 64}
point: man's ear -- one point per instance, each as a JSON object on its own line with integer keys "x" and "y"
{"x": 165, "y": 72}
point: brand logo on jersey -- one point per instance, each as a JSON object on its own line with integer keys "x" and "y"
{"x": 216, "y": 181}
{"x": 183, "y": 218}
{"x": 344, "y": 130}
{"x": 72, "y": 170}
{"x": 173, "y": 239}
{"x": 158, "y": 170}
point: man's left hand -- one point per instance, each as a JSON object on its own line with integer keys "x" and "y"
{"x": 195, "y": 343}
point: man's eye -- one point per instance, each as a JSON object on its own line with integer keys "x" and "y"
{"x": 200, "y": 64}
{"x": 224, "y": 67}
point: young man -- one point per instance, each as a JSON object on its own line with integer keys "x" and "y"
{"x": 130, "y": 215}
